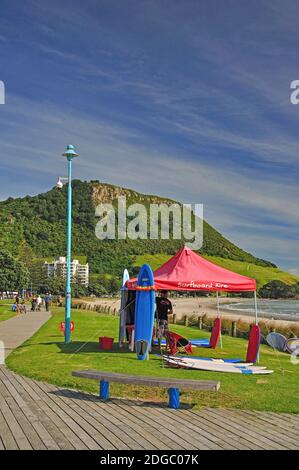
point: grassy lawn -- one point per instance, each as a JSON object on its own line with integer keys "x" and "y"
{"x": 5, "y": 310}
{"x": 45, "y": 357}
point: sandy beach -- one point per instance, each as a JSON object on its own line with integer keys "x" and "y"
{"x": 199, "y": 306}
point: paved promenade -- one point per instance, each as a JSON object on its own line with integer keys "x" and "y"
{"x": 16, "y": 330}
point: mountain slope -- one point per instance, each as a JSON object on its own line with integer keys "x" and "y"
{"x": 37, "y": 226}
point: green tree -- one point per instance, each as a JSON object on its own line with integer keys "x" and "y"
{"x": 13, "y": 274}
{"x": 277, "y": 290}
{"x": 53, "y": 284}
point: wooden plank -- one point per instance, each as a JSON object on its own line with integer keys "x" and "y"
{"x": 225, "y": 423}
{"x": 254, "y": 421}
{"x": 97, "y": 419}
{"x": 181, "y": 435}
{"x": 101, "y": 433}
{"x": 257, "y": 437}
{"x": 34, "y": 429}
{"x": 14, "y": 426}
{"x": 68, "y": 426}
{"x": 41, "y": 409}
{"x": 54, "y": 424}
{"x": 127, "y": 434}
{"x": 163, "y": 441}
{"x": 120, "y": 428}
{"x": 200, "y": 434}
{"x": 291, "y": 417}
{"x": 28, "y": 429}
{"x": 277, "y": 420}
{"x": 199, "y": 440}
{"x": 275, "y": 435}
{"x": 75, "y": 422}
{"x": 227, "y": 433}
{"x": 91, "y": 374}
{"x": 209, "y": 430}
{"x": 144, "y": 414}
{"x": 7, "y": 438}
{"x": 144, "y": 430}
{"x": 135, "y": 416}
{"x": 97, "y": 405}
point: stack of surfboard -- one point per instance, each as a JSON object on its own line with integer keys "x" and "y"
{"x": 215, "y": 365}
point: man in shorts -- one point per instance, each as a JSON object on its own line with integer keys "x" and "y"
{"x": 163, "y": 309}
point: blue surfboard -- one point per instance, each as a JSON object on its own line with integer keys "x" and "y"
{"x": 144, "y": 312}
{"x": 122, "y": 311}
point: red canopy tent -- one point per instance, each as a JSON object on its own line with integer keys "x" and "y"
{"x": 188, "y": 271}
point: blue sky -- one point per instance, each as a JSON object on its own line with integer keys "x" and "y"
{"x": 186, "y": 99}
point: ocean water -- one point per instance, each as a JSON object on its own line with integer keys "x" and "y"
{"x": 269, "y": 307}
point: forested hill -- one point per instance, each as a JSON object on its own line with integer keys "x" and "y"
{"x": 35, "y": 227}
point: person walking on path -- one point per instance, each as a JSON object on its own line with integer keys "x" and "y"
{"x": 48, "y": 301}
{"x": 17, "y": 302}
{"x": 39, "y": 302}
{"x": 33, "y": 303}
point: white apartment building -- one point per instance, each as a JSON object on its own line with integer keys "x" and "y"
{"x": 79, "y": 272}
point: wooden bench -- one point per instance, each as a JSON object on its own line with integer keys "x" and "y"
{"x": 172, "y": 384}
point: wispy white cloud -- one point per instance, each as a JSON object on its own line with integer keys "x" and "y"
{"x": 119, "y": 155}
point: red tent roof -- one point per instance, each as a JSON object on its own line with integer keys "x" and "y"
{"x": 189, "y": 271}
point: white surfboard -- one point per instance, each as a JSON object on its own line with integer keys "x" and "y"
{"x": 122, "y": 311}
{"x": 211, "y": 366}
{"x": 213, "y": 361}
{"x": 220, "y": 364}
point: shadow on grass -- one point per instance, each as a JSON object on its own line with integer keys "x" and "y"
{"x": 89, "y": 347}
{"x": 87, "y": 397}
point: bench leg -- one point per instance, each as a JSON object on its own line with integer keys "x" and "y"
{"x": 174, "y": 398}
{"x": 104, "y": 390}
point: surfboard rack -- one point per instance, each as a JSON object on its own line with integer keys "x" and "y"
{"x": 173, "y": 385}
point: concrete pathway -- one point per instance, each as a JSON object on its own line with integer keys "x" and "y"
{"x": 16, "y": 330}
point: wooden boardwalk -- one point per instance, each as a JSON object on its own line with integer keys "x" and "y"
{"x": 36, "y": 415}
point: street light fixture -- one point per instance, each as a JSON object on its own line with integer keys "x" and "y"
{"x": 59, "y": 184}
{"x": 69, "y": 154}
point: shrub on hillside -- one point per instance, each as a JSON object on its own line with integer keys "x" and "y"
{"x": 277, "y": 290}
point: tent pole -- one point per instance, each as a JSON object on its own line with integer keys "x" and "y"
{"x": 256, "y": 322}
{"x": 217, "y": 296}
{"x": 218, "y": 314}
{"x": 255, "y": 307}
